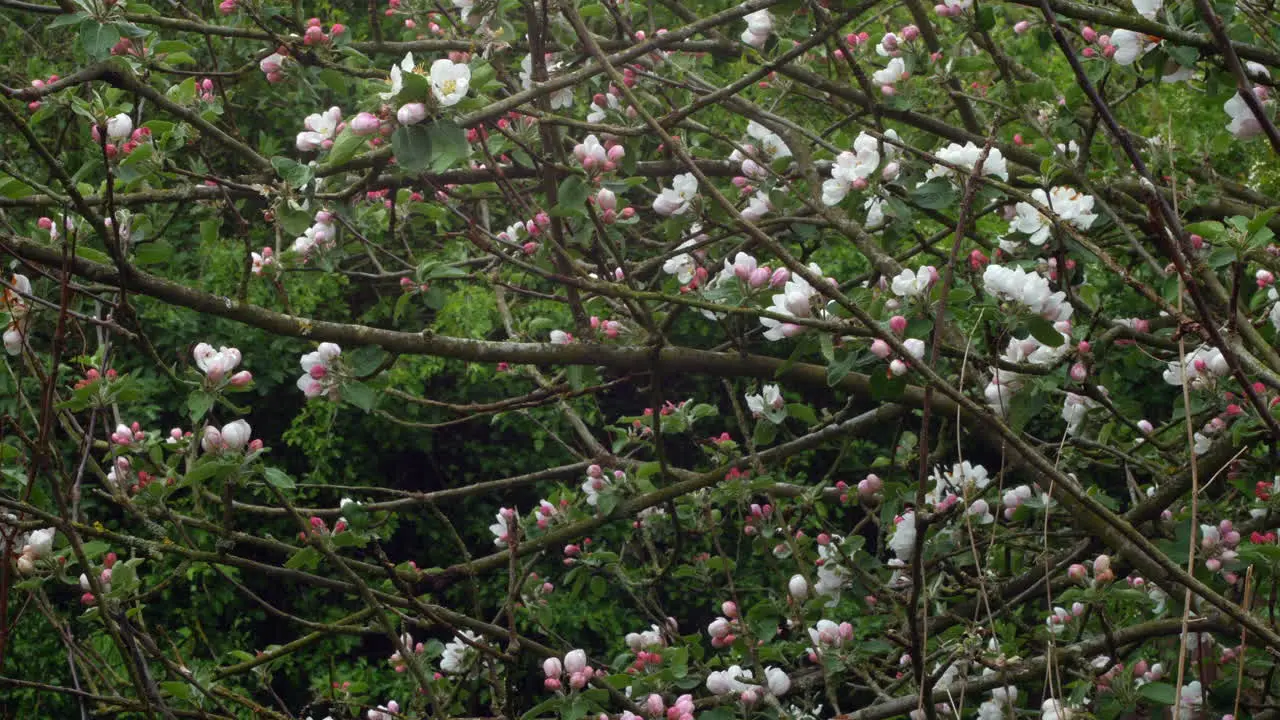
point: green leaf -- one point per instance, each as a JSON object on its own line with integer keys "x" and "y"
{"x": 64, "y": 20}
{"x": 571, "y": 197}
{"x": 448, "y": 145}
{"x": 97, "y": 39}
{"x": 13, "y": 188}
{"x": 986, "y": 18}
{"x": 209, "y": 230}
{"x": 198, "y": 404}
{"x": 157, "y": 252}
{"x": 1022, "y": 407}
{"x": 412, "y": 146}
{"x": 292, "y": 171}
{"x": 211, "y": 469}
{"x": 345, "y": 147}
{"x": 365, "y": 360}
{"x": 278, "y": 478}
{"x": 1044, "y": 331}
{"x": 444, "y": 272}
{"x": 129, "y": 30}
{"x": 360, "y": 395}
{"x": 803, "y": 413}
{"x": 307, "y": 558}
{"x": 1209, "y": 229}
{"x": 1160, "y": 693}
{"x": 163, "y": 47}
{"x": 764, "y": 433}
{"x": 936, "y": 194}
{"x": 885, "y": 386}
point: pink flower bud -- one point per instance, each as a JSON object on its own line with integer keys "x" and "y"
{"x": 241, "y": 379}
{"x": 1145, "y": 426}
{"x": 898, "y": 324}
{"x": 1089, "y": 34}
{"x": 759, "y": 277}
{"x": 606, "y": 200}
{"x": 1079, "y": 372}
{"x": 881, "y": 349}
{"x": 365, "y": 124}
{"x": 730, "y": 609}
{"x": 1021, "y": 26}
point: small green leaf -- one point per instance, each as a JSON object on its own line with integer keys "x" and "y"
{"x": 936, "y": 194}
{"x": 1160, "y": 693}
{"x": 360, "y": 395}
{"x": 307, "y": 558}
{"x": 65, "y": 20}
{"x": 345, "y": 147}
{"x": 448, "y": 145}
{"x": 764, "y": 433}
{"x": 14, "y": 188}
{"x": 97, "y": 39}
{"x": 278, "y": 478}
{"x": 571, "y": 197}
{"x": 1044, "y": 331}
{"x": 198, "y": 404}
{"x": 986, "y": 18}
{"x": 412, "y": 146}
{"x": 292, "y": 171}
{"x": 803, "y": 413}
{"x": 158, "y": 252}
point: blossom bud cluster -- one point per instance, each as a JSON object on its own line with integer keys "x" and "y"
{"x": 575, "y": 669}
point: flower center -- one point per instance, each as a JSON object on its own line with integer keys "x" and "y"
{"x": 449, "y": 86}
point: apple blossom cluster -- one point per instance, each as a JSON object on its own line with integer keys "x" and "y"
{"x": 321, "y": 235}
{"x": 446, "y": 81}
{"x": 796, "y": 300}
{"x": 677, "y": 199}
{"x": 835, "y": 555}
{"x": 321, "y": 371}
{"x": 1219, "y": 543}
{"x": 1201, "y": 368}
{"x": 103, "y": 577}
{"x": 459, "y": 653}
{"x": 966, "y": 157}
{"x": 597, "y": 158}
{"x": 738, "y": 681}
{"x": 37, "y": 546}
{"x": 759, "y": 26}
{"x": 232, "y": 437}
{"x": 560, "y": 99}
{"x": 827, "y": 635}
{"x": 770, "y": 399}
{"x": 1001, "y": 703}
{"x": 851, "y": 169}
{"x": 390, "y": 711}
{"x": 1028, "y": 289}
{"x": 504, "y": 528}
{"x": 575, "y": 666}
{"x": 216, "y": 364}
{"x": 15, "y": 303}
{"x": 1068, "y": 205}
{"x": 598, "y": 482}
{"x": 765, "y": 145}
